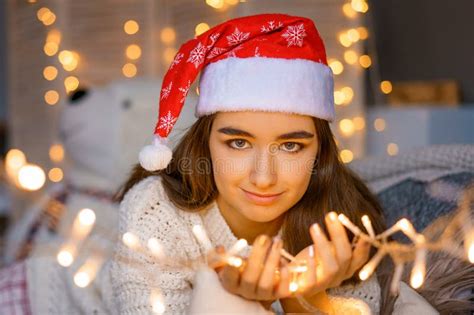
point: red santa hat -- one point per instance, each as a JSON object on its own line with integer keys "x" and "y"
{"x": 266, "y": 62}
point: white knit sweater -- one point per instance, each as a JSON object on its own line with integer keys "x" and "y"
{"x": 147, "y": 212}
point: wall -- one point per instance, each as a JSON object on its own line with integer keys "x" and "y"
{"x": 426, "y": 39}
{"x": 3, "y": 61}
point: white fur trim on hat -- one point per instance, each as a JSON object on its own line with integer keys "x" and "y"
{"x": 297, "y": 86}
{"x": 156, "y": 156}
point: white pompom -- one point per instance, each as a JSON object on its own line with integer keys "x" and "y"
{"x": 155, "y": 157}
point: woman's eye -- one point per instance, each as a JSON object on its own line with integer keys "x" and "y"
{"x": 292, "y": 147}
{"x": 237, "y": 143}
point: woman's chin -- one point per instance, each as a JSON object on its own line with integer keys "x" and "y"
{"x": 262, "y": 214}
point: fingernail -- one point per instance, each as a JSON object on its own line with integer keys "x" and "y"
{"x": 311, "y": 251}
{"x": 332, "y": 216}
{"x": 316, "y": 229}
{"x": 262, "y": 240}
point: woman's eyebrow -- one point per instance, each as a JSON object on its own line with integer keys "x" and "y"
{"x": 291, "y": 135}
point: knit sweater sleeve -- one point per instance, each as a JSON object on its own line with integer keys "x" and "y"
{"x": 365, "y": 294}
{"x": 134, "y": 273}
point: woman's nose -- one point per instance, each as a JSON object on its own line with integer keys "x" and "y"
{"x": 263, "y": 174}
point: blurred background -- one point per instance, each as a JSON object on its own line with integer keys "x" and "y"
{"x": 79, "y": 82}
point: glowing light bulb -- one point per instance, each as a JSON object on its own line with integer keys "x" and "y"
{"x": 129, "y": 70}
{"x": 349, "y": 11}
{"x": 130, "y": 240}
{"x": 71, "y": 83}
{"x": 470, "y": 253}
{"x": 15, "y": 159}
{"x": 155, "y": 248}
{"x": 157, "y": 302}
{"x": 347, "y": 127}
{"x": 386, "y": 87}
{"x": 168, "y": 35}
{"x": 133, "y": 52}
{"x": 339, "y": 98}
{"x": 131, "y": 27}
{"x": 363, "y": 32}
{"x": 66, "y": 57}
{"x": 359, "y": 123}
{"x": 345, "y": 40}
{"x": 82, "y": 279}
{"x": 42, "y": 13}
{"x": 55, "y": 175}
{"x": 86, "y": 217}
{"x": 346, "y": 156}
{"x": 56, "y": 153}
{"x": 201, "y": 28}
{"x": 235, "y": 261}
{"x": 51, "y": 97}
{"x": 54, "y": 36}
{"x": 50, "y": 49}
{"x": 65, "y": 258}
{"x": 365, "y": 61}
{"x": 392, "y": 149}
{"x": 380, "y": 124}
{"x": 49, "y": 18}
{"x": 348, "y": 94}
{"x": 50, "y": 73}
{"x": 31, "y": 177}
{"x": 353, "y": 35}
{"x": 336, "y": 66}
{"x": 350, "y": 57}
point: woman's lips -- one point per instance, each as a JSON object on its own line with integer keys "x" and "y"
{"x": 261, "y": 199}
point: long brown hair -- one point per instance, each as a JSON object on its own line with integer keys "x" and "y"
{"x": 332, "y": 187}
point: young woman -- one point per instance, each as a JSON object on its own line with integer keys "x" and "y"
{"x": 260, "y": 164}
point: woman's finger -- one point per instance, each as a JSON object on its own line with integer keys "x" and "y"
{"x": 340, "y": 241}
{"x": 229, "y": 276}
{"x": 328, "y": 266}
{"x": 283, "y": 289}
{"x": 360, "y": 257}
{"x": 253, "y": 269}
{"x": 266, "y": 284}
{"x": 308, "y": 279}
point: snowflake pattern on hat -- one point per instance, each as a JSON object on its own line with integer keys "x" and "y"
{"x": 177, "y": 60}
{"x": 165, "y": 92}
{"x": 167, "y": 122}
{"x": 294, "y": 35}
{"x": 237, "y": 37}
{"x": 271, "y": 26}
{"x": 196, "y": 56}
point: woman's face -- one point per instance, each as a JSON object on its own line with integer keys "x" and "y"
{"x": 261, "y": 153}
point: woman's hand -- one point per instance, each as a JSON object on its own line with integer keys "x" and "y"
{"x": 262, "y": 277}
{"x": 333, "y": 260}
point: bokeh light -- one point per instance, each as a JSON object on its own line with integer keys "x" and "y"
{"x": 386, "y": 87}
{"x": 380, "y": 124}
{"x": 131, "y": 27}
{"x": 31, "y": 177}
{"x": 51, "y": 97}
{"x": 129, "y": 70}
{"x": 50, "y": 73}
{"x": 336, "y": 66}
{"x": 392, "y": 149}
{"x": 55, "y": 175}
{"x": 56, "y": 153}
{"x": 168, "y": 35}
{"x": 133, "y": 52}
{"x": 346, "y": 156}
{"x": 201, "y": 28}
